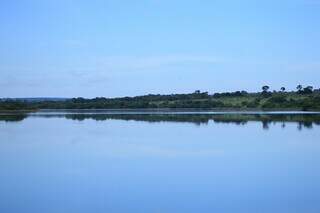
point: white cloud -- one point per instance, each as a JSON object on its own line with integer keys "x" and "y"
{"x": 147, "y": 62}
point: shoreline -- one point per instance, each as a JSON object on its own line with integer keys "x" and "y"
{"x": 161, "y": 111}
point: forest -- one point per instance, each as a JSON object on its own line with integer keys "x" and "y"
{"x": 304, "y": 98}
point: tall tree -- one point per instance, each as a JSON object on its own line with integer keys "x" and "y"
{"x": 299, "y": 87}
{"x": 265, "y": 88}
{"x": 308, "y": 90}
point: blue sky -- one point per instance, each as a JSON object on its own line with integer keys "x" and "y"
{"x": 68, "y": 48}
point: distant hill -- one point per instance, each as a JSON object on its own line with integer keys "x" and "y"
{"x": 39, "y": 99}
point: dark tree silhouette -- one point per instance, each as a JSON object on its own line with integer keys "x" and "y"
{"x": 299, "y": 87}
{"x": 265, "y": 88}
{"x": 308, "y": 90}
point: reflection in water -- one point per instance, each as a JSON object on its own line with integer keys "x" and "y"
{"x": 12, "y": 117}
{"x": 303, "y": 120}
{"x": 91, "y": 162}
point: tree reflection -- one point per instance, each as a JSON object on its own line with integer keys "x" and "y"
{"x": 302, "y": 120}
{"x": 265, "y": 125}
{"x": 13, "y": 117}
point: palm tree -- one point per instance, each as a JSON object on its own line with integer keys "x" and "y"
{"x": 283, "y": 89}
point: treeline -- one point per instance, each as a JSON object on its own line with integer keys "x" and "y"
{"x": 304, "y": 98}
{"x": 8, "y": 105}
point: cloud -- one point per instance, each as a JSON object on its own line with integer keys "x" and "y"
{"x": 148, "y": 62}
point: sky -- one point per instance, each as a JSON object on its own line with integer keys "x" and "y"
{"x": 112, "y": 48}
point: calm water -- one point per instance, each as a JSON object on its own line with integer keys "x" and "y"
{"x": 141, "y": 162}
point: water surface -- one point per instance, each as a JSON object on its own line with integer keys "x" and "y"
{"x": 159, "y": 162}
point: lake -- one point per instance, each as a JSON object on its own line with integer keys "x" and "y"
{"x": 158, "y": 161}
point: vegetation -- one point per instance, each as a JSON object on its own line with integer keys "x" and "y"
{"x": 9, "y": 105}
{"x": 305, "y": 98}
